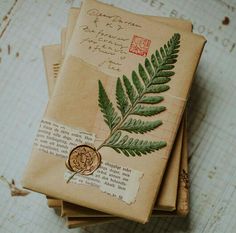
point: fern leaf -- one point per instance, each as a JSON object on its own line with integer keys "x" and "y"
{"x": 175, "y": 51}
{"x": 142, "y": 110}
{"x": 129, "y": 90}
{"x": 171, "y": 61}
{"x": 160, "y": 80}
{"x": 167, "y": 67}
{"x": 166, "y": 48}
{"x": 139, "y": 126}
{"x": 115, "y": 137}
{"x": 163, "y": 54}
{"x": 121, "y": 99}
{"x": 143, "y": 74}
{"x": 148, "y": 67}
{"x": 157, "y": 88}
{"x": 151, "y": 99}
{"x": 158, "y": 57}
{"x": 173, "y": 56}
{"x": 165, "y": 73}
{"x": 111, "y": 118}
{"x": 154, "y": 61}
{"x": 137, "y": 83}
{"x": 132, "y": 147}
{"x": 135, "y": 99}
{"x": 168, "y": 55}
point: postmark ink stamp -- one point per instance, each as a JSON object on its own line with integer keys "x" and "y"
{"x": 139, "y": 46}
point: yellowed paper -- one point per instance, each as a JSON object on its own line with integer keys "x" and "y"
{"x": 74, "y": 13}
{"x": 168, "y": 193}
{"x": 183, "y": 191}
{"x": 79, "y": 212}
{"x": 166, "y": 200}
{"x": 117, "y": 181}
{"x": 54, "y": 203}
{"x": 52, "y": 60}
{"x": 70, "y": 207}
{"x": 74, "y": 222}
{"x": 72, "y": 72}
{"x": 58, "y": 139}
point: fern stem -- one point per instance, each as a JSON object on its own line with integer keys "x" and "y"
{"x": 105, "y": 141}
{"x": 71, "y": 177}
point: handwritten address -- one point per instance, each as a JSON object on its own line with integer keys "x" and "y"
{"x": 103, "y": 36}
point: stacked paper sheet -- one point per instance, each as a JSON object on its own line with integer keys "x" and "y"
{"x": 112, "y": 143}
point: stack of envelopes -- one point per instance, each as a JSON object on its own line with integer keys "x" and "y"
{"x": 112, "y": 143}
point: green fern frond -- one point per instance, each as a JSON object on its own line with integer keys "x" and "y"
{"x": 111, "y": 117}
{"x": 154, "y": 61}
{"x": 121, "y": 99}
{"x": 165, "y": 74}
{"x": 159, "y": 59}
{"x": 149, "y": 68}
{"x": 143, "y": 74}
{"x": 137, "y": 83}
{"x": 160, "y": 80}
{"x": 129, "y": 90}
{"x": 157, "y": 88}
{"x": 151, "y": 99}
{"x": 114, "y": 138}
{"x": 135, "y": 96}
{"x": 132, "y": 147}
{"x": 142, "y": 110}
{"x": 163, "y": 54}
{"x": 139, "y": 126}
{"x": 167, "y": 67}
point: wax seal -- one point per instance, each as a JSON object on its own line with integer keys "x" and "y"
{"x": 84, "y": 160}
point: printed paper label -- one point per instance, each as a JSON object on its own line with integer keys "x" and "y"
{"x": 59, "y": 140}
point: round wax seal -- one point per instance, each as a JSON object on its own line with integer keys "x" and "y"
{"x": 84, "y": 160}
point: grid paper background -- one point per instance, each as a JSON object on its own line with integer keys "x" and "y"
{"x": 211, "y": 124}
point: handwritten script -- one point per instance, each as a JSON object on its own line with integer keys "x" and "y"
{"x": 105, "y": 36}
{"x": 112, "y": 18}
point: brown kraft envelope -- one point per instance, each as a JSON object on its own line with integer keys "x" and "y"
{"x": 71, "y": 210}
{"x": 74, "y": 13}
{"x": 74, "y": 222}
{"x": 168, "y": 193}
{"x": 45, "y": 173}
{"x": 167, "y": 199}
{"x": 182, "y": 206}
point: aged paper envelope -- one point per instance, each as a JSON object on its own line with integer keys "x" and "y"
{"x": 52, "y": 62}
{"x": 53, "y": 202}
{"x": 182, "y": 204}
{"x": 182, "y": 209}
{"x": 53, "y": 58}
{"x": 148, "y": 178}
{"x": 74, "y": 13}
{"x": 168, "y": 193}
{"x": 71, "y": 210}
{"x": 74, "y": 222}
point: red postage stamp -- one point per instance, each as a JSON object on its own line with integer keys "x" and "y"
{"x": 139, "y": 46}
